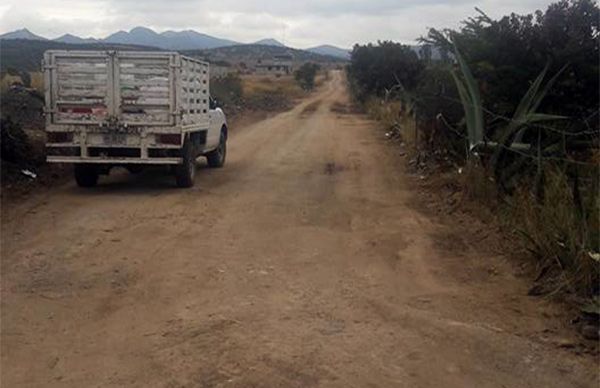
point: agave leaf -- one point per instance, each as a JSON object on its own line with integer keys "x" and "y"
{"x": 525, "y": 112}
{"x": 547, "y": 88}
{"x": 537, "y": 117}
{"x": 527, "y": 101}
{"x": 476, "y": 133}
{"x": 465, "y": 99}
{"x": 519, "y": 118}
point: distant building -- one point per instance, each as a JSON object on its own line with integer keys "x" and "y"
{"x": 276, "y": 65}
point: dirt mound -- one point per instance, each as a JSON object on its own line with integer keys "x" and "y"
{"x": 22, "y": 145}
{"x": 24, "y": 107}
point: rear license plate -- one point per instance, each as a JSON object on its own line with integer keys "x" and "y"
{"x": 114, "y": 139}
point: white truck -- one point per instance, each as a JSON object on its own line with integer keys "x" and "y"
{"x": 131, "y": 109}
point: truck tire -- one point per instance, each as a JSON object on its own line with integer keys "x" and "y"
{"x": 185, "y": 172}
{"x": 216, "y": 158}
{"x": 86, "y": 175}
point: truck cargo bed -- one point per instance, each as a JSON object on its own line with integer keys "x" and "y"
{"x": 129, "y": 107}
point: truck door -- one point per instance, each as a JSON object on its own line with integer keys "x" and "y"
{"x": 144, "y": 88}
{"x": 78, "y": 87}
{"x": 216, "y": 118}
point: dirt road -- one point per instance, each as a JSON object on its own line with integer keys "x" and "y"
{"x": 302, "y": 263}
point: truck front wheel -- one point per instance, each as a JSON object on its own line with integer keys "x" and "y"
{"x": 185, "y": 172}
{"x": 86, "y": 175}
{"x": 216, "y": 158}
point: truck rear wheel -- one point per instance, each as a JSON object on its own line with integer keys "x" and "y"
{"x": 216, "y": 158}
{"x": 86, "y": 175}
{"x": 185, "y": 172}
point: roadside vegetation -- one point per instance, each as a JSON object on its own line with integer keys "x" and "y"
{"x": 306, "y": 75}
{"x": 242, "y": 93}
{"x": 237, "y": 93}
{"x": 512, "y": 104}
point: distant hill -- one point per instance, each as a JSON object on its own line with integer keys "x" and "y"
{"x": 270, "y": 42}
{"x": 251, "y": 52}
{"x": 169, "y": 40}
{"x": 331, "y": 51}
{"x": 23, "y": 33}
{"x": 72, "y": 39}
{"x": 190, "y": 39}
{"x": 139, "y": 36}
{"x": 27, "y": 54}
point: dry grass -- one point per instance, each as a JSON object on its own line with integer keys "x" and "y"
{"x": 37, "y": 81}
{"x": 271, "y": 94}
{"x": 562, "y": 234}
{"x": 254, "y": 84}
{"x": 397, "y": 123}
{"x": 8, "y": 80}
{"x": 477, "y": 184}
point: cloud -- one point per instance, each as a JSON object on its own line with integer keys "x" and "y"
{"x": 298, "y": 23}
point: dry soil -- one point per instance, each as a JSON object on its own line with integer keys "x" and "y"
{"x": 301, "y": 263}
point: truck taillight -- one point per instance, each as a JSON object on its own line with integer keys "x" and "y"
{"x": 171, "y": 138}
{"x": 82, "y": 110}
{"x": 60, "y": 137}
{"x": 76, "y": 109}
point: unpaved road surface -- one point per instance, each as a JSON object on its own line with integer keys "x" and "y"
{"x": 302, "y": 263}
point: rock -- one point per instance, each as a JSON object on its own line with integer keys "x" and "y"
{"x": 565, "y": 343}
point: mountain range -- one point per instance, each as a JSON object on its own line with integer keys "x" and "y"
{"x": 167, "y": 40}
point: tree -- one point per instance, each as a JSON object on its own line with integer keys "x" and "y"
{"x": 375, "y": 69}
{"x": 305, "y": 75}
{"x": 506, "y": 55}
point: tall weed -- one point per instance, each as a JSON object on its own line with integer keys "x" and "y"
{"x": 561, "y": 231}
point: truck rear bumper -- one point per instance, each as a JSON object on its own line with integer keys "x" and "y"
{"x": 112, "y": 160}
{"x": 113, "y": 148}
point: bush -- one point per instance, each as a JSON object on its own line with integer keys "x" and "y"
{"x": 228, "y": 91}
{"x": 375, "y": 70}
{"x": 437, "y": 105}
{"x": 14, "y": 143}
{"x": 305, "y": 75}
{"x": 506, "y": 55}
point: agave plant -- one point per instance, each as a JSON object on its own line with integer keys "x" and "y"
{"x": 524, "y": 115}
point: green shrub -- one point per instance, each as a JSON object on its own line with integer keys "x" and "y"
{"x": 380, "y": 69}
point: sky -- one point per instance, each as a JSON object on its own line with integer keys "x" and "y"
{"x": 297, "y": 23}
